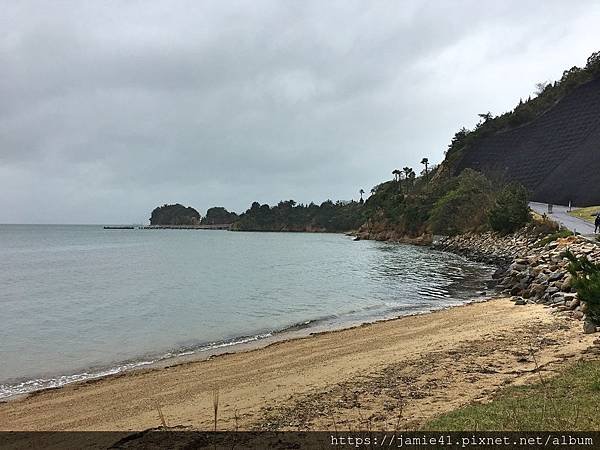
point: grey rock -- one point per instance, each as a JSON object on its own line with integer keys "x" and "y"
{"x": 537, "y": 290}
{"x": 566, "y": 284}
{"x": 542, "y": 278}
{"x": 551, "y": 290}
{"x": 589, "y": 327}
{"x": 499, "y": 273}
{"x": 555, "y": 276}
{"x": 516, "y": 290}
{"x": 574, "y": 303}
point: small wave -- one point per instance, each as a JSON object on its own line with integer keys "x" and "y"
{"x": 432, "y": 291}
{"x": 306, "y": 324}
{"x": 26, "y": 387}
{"x": 373, "y": 307}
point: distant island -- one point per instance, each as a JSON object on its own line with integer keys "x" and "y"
{"x": 218, "y": 216}
{"x": 176, "y": 214}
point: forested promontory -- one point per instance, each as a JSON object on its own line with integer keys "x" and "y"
{"x": 176, "y": 214}
{"x": 218, "y": 216}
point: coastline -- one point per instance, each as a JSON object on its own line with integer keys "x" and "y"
{"x": 290, "y": 384}
{"x": 236, "y": 344}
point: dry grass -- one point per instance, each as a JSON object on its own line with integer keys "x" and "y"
{"x": 216, "y": 406}
{"x": 568, "y": 401}
{"x": 161, "y": 415}
{"x": 588, "y": 214}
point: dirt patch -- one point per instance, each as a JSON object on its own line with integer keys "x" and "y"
{"x": 406, "y": 394}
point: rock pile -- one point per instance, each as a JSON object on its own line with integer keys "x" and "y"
{"x": 529, "y": 272}
{"x": 489, "y": 247}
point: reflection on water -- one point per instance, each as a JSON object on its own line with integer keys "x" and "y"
{"x": 433, "y": 273}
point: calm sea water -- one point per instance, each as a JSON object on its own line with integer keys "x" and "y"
{"x": 79, "y": 301}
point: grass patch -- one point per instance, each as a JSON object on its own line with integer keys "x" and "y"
{"x": 568, "y": 401}
{"x": 553, "y": 237}
{"x": 588, "y": 214}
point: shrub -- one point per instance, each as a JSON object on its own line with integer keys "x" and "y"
{"x": 586, "y": 281}
{"x": 544, "y": 227}
{"x": 510, "y": 211}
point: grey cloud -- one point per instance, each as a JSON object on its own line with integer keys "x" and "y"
{"x": 109, "y": 108}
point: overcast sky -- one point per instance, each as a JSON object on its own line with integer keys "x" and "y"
{"x": 108, "y": 109}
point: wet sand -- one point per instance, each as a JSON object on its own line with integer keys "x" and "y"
{"x": 394, "y": 374}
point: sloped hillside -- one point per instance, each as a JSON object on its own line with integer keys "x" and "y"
{"x": 556, "y": 156}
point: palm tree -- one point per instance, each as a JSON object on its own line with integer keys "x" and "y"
{"x": 425, "y": 161}
{"x": 396, "y": 174}
{"x": 409, "y": 176}
{"x": 361, "y": 194}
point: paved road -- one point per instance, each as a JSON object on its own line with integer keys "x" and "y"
{"x": 560, "y": 215}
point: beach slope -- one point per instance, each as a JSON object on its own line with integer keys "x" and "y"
{"x": 388, "y": 375}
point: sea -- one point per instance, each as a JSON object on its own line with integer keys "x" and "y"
{"x": 79, "y": 302}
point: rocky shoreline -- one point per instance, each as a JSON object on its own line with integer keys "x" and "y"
{"x": 531, "y": 269}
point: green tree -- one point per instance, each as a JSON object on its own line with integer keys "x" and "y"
{"x": 289, "y": 216}
{"x": 510, "y": 211}
{"x": 464, "y": 206}
{"x": 586, "y": 281}
{"x": 411, "y": 176}
{"x": 425, "y": 162}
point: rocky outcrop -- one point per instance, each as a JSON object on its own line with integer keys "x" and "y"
{"x": 383, "y": 230}
{"x": 528, "y": 271}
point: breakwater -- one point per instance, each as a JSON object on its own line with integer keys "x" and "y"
{"x": 532, "y": 268}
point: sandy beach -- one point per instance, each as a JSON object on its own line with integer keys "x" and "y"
{"x": 388, "y": 375}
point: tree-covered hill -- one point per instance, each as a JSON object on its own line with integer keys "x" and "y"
{"x": 289, "y": 216}
{"x": 218, "y": 216}
{"x": 441, "y": 203}
{"x": 174, "y": 215}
